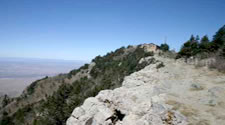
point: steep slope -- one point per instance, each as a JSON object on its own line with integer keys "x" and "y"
{"x": 174, "y": 93}
{"x": 51, "y": 100}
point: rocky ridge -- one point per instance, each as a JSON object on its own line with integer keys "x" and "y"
{"x": 166, "y": 92}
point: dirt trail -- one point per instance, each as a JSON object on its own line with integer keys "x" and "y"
{"x": 198, "y": 93}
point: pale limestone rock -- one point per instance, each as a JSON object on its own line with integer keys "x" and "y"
{"x": 140, "y": 100}
{"x": 196, "y": 87}
{"x": 150, "y": 47}
{"x": 161, "y": 96}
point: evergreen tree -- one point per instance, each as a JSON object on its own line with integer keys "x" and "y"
{"x": 205, "y": 39}
{"x": 192, "y": 38}
{"x": 185, "y": 49}
{"x": 190, "y": 48}
{"x": 164, "y": 47}
{"x": 219, "y": 37}
{"x": 5, "y": 101}
{"x": 204, "y": 45}
{"x": 6, "y": 120}
{"x": 194, "y": 48}
{"x": 197, "y": 38}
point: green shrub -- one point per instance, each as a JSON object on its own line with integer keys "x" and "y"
{"x": 6, "y": 100}
{"x": 164, "y": 47}
{"x": 20, "y": 115}
{"x": 149, "y": 54}
{"x": 31, "y": 87}
{"x": 160, "y": 65}
{"x": 6, "y": 120}
{"x": 218, "y": 64}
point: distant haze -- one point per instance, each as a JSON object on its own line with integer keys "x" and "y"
{"x": 17, "y": 73}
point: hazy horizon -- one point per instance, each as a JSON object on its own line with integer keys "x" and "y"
{"x": 36, "y": 59}
{"x": 17, "y": 73}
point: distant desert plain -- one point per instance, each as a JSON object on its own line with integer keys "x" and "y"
{"x": 17, "y": 73}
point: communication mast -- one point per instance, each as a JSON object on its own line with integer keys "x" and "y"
{"x": 165, "y": 39}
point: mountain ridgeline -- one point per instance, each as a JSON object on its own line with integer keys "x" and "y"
{"x": 51, "y": 100}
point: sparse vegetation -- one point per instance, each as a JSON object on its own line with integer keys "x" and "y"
{"x": 6, "y": 120}
{"x": 75, "y": 71}
{"x": 160, "y": 65}
{"x": 218, "y": 64}
{"x": 6, "y": 100}
{"x": 31, "y": 87}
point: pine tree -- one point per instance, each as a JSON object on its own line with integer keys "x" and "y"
{"x": 5, "y": 101}
{"x": 190, "y": 48}
{"x": 164, "y": 47}
{"x": 192, "y": 38}
{"x": 6, "y": 120}
{"x": 205, "y": 39}
{"x": 197, "y": 38}
{"x": 219, "y": 37}
{"x": 204, "y": 45}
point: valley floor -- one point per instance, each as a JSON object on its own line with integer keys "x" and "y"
{"x": 13, "y": 87}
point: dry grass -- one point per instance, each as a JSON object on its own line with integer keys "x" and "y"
{"x": 187, "y": 111}
{"x": 218, "y": 64}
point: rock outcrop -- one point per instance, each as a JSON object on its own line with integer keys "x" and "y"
{"x": 172, "y": 94}
{"x": 150, "y": 47}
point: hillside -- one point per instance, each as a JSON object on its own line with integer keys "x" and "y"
{"x": 173, "y": 94}
{"x": 51, "y": 100}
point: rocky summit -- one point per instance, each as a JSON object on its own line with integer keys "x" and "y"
{"x": 166, "y": 92}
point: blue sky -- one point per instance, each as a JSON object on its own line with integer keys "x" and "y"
{"x": 83, "y": 29}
